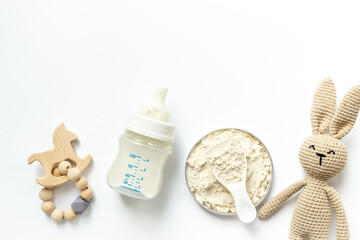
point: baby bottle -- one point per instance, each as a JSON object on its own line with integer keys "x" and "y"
{"x": 144, "y": 148}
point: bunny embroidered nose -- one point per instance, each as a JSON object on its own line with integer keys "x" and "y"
{"x": 321, "y": 156}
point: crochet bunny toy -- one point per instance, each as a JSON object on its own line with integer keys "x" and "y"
{"x": 323, "y": 156}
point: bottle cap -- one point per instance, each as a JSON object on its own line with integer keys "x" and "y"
{"x": 150, "y": 127}
{"x": 152, "y": 119}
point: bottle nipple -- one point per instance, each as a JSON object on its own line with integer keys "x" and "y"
{"x": 156, "y": 109}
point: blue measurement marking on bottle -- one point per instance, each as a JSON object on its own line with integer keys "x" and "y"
{"x": 134, "y": 175}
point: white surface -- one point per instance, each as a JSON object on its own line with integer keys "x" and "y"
{"x": 253, "y": 66}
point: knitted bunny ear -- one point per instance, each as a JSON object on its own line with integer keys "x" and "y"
{"x": 323, "y": 107}
{"x": 346, "y": 114}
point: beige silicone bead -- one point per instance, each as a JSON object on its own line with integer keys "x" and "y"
{"x": 86, "y": 194}
{"x": 70, "y": 214}
{"x": 56, "y": 172}
{"x": 45, "y": 194}
{"x": 74, "y": 174}
{"x": 82, "y": 183}
{"x": 57, "y": 215}
{"x": 47, "y": 207}
{"x": 64, "y": 167}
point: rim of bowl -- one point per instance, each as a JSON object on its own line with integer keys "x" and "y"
{"x": 267, "y": 189}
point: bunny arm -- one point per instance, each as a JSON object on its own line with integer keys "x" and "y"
{"x": 342, "y": 229}
{"x": 271, "y": 206}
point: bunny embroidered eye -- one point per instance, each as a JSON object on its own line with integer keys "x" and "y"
{"x": 312, "y": 146}
{"x": 331, "y": 151}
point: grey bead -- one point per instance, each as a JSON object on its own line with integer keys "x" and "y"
{"x": 79, "y": 205}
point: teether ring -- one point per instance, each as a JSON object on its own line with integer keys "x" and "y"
{"x": 78, "y": 206}
{"x": 58, "y": 167}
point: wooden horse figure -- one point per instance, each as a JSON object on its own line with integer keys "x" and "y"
{"x": 63, "y": 150}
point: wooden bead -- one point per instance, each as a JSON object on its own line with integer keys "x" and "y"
{"x": 56, "y": 172}
{"x": 47, "y": 207}
{"x": 70, "y": 214}
{"x": 74, "y": 174}
{"x": 64, "y": 167}
{"x": 82, "y": 183}
{"x": 45, "y": 194}
{"x": 57, "y": 215}
{"x": 86, "y": 194}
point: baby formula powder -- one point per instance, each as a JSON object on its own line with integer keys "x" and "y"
{"x": 208, "y": 191}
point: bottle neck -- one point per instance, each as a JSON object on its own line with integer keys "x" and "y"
{"x": 147, "y": 140}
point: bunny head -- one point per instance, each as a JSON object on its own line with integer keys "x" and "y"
{"x": 323, "y": 155}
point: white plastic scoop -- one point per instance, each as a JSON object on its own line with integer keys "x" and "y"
{"x": 229, "y": 166}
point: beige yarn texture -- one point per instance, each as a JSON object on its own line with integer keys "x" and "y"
{"x": 323, "y": 156}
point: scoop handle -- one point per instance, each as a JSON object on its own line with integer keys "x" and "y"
{"x": 245, "y": 209}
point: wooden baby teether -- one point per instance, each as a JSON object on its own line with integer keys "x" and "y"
{"x": 59, "y": 170}
{"x": 63, "y": 150}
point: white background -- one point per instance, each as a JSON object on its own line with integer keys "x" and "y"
{"x": 253, "y": 66}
